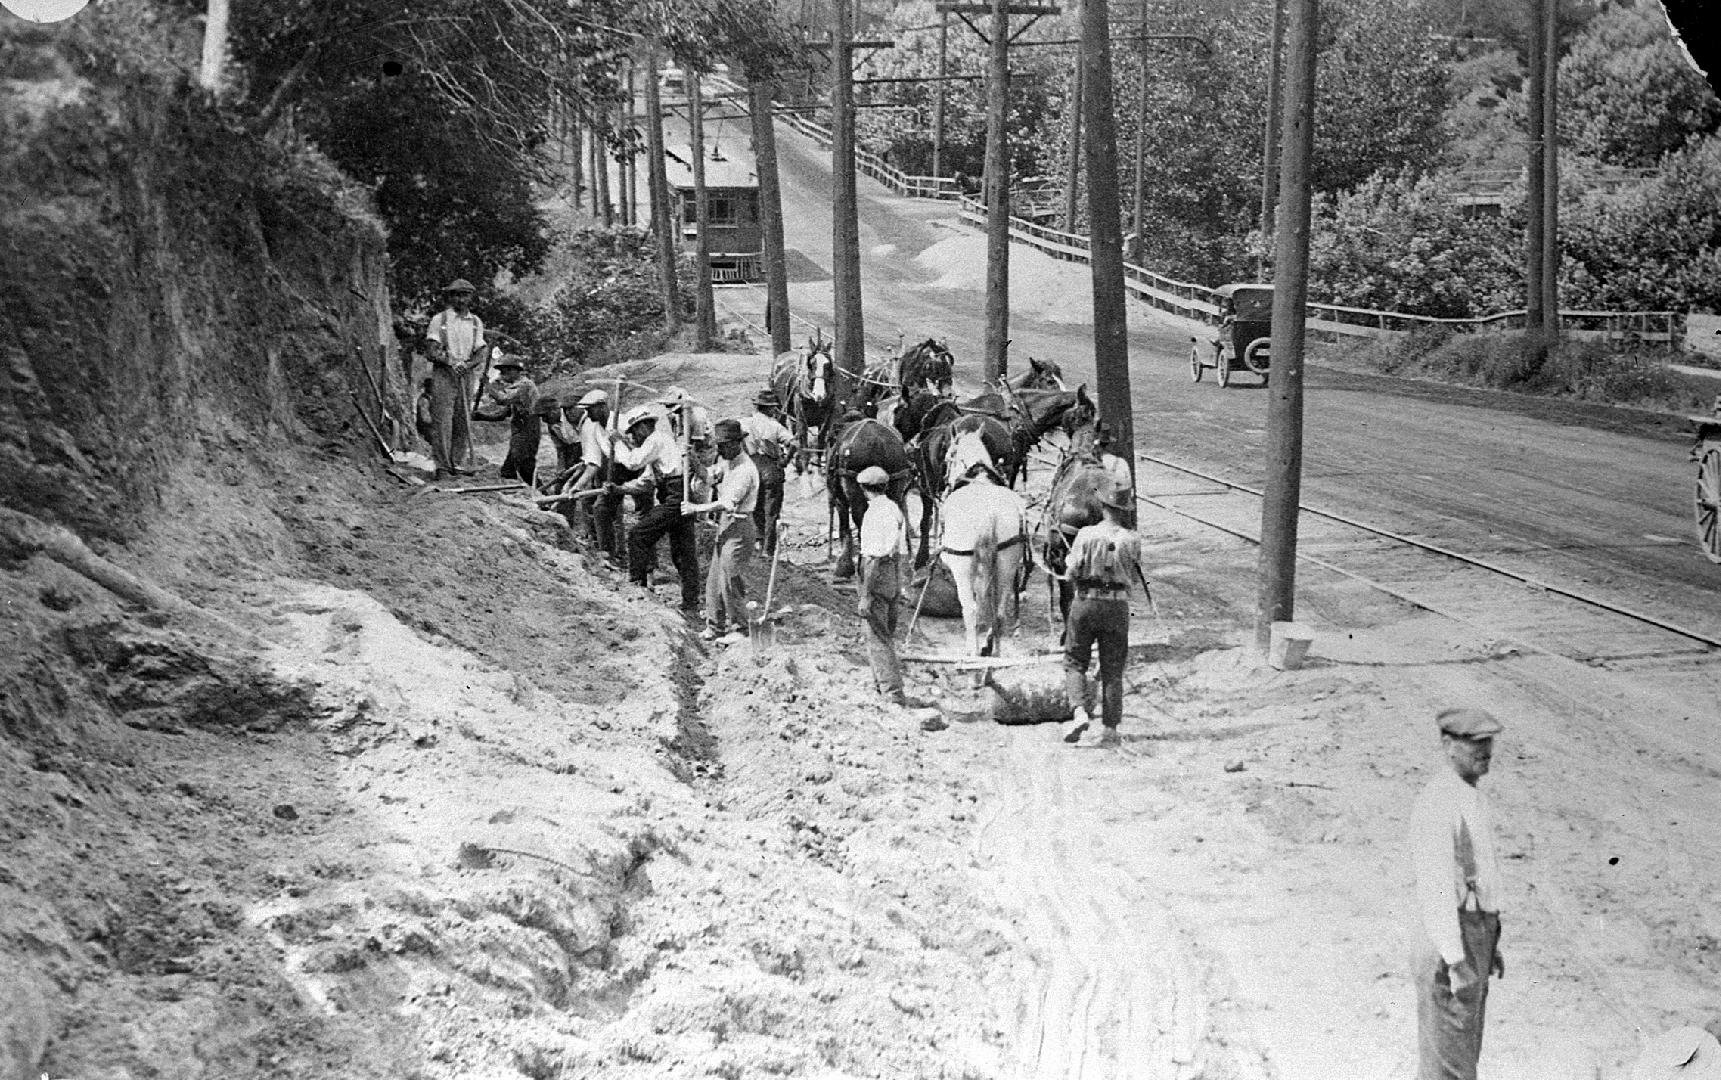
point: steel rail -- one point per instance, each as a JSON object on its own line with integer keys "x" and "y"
{"x": 1471, "y": 560}
{"x": 1458, "y": 556}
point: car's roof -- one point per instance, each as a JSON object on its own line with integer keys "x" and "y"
{"x": 1245, "y": 287}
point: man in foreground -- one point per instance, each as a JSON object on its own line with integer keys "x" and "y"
{"x": 1103, "y": 564}
{"x": 1457, "y": 900}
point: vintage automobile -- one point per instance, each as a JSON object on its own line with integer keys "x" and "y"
{"x": 1707, "y": 454}
{"x": 1244, "y": 333}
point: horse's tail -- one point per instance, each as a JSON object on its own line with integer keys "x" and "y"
{"x": 985, "y": 582}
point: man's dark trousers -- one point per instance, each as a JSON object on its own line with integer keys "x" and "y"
{"x": 665, "y": 519}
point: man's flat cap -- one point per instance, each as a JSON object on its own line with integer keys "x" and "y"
{"x": 729, "y": 431}
{"x": 459, "y": 285}
{"x": 1467, "y": 723}
{"x": 594, "y": 397}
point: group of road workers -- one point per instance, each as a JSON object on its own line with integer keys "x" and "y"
{"x": 741, "y": 464}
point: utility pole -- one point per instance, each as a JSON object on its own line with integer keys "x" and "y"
{"x": 1105, "y": 232}
{"x": 657, "y": 178}
{"x": 938, "y": 102}
{"x": 1535, "y": 315}
{"x": 1138, "y": 249}
{"x": 1284, "y": 450}
{"x": 1270, "y": 136}
{"x": 1550, "y": 200}
{"x": 1073, "y": 151}
{"x": 704, "y": 304}
{"x": 760, "y": 91}
{"x": 849, "y": 348}
{"x": 995, "y": 365}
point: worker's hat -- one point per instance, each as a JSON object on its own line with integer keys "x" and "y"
{"x": 766, "y": 396}
{"x": 459, "y": 285}
{"x": 503, "y": 360}
{"x": 640, "y": 414}
{"x": 729, "y": 431}
{"x": 675, "y": 395}
{"x": 873, "y": 477}
{"x": 1687, "y": 1053}
{"x": 593, "y": 397}
{"x": 1468, "y": 723}
{"x": 1118, "y": 496}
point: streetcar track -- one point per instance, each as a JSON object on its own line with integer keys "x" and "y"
{"x": 1710, "y": 642}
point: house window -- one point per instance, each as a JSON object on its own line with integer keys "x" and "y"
{"x": 721, "y": 210}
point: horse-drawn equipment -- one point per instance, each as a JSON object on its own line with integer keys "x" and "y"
{"x": 1244, "y": 336}
{"x": 1706, "y": 452}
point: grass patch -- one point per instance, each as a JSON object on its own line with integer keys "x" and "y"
{"x": 1632, "y": 376}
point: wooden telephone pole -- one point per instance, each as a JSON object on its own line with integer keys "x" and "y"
{"x": 995, "y": 363}
{"x": 1105, "y": 232}
{"x": 1284, "y": 449}
{"x": 850, "y": 352}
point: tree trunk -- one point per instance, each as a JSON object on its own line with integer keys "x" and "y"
{"x": 658, "y": 179}
{"x": 1073, "y": 148}
{"x": 761, "y": 91}
{"x": 704, "y": 304}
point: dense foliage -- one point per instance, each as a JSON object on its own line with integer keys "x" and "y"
{"x": 1629, "y": 97}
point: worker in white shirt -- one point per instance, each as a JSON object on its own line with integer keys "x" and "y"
{"x": 883, "y": 548}
{"x": 593, "y": 439}
{"x": 454, "y": 337}
{"x": 771, "y": 446}
{"x": 651, "y": 451}
{"x": 732, "y": 549}
{"x": 1457, "y": 900}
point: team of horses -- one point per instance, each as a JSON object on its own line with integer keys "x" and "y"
{"x": 904, "y": 419}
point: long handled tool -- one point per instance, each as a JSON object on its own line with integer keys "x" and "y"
{"x": 771, "y": 579}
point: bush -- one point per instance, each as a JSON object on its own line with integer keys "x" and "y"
{"x": 609, "y": 308}
{"x": 1587, "y": 370}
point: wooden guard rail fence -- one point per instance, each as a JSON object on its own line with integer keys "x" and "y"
{"x": 1189, "y": 300}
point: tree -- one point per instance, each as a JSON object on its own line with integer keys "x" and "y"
{"x": 1629, "y": 97}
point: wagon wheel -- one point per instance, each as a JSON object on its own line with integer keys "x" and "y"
{"x": 1195, "y": 362}
{"x": 1709, "y": 500}
{"x": 1224, "y": 366}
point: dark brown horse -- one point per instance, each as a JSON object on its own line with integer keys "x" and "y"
{"x": 806, "y": 381}
{"x": 856, "y": 445}
{"x": 926, "y": 366}
{"x": 1072, "y": 504}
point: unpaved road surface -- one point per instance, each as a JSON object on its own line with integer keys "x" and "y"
{"x": 459, "y": 802}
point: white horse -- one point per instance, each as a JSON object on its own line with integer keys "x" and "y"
{"x": 984, "y": 543}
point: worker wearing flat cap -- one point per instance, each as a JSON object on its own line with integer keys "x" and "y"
{"x": 883, "y": 551}
{"x": 454, "y": 338}
{"x": 594, "y": 453}
{"x": 732, "y": 550}
{"x": 770, "y": 445}
{"x": 1458, "y": 899}
{"x": 515, "y": 395}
